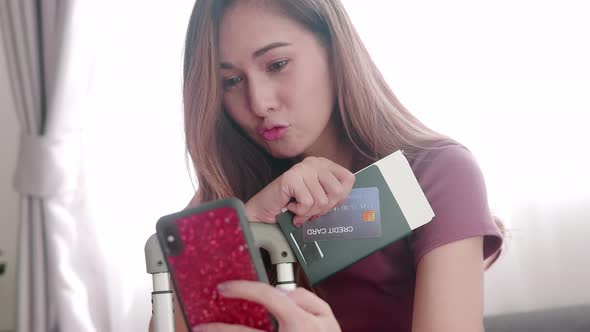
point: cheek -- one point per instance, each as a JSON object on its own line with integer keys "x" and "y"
{"x": 312, "y": 76}
{"x": 311, "y": 93}
{"x": 234, "y": 107}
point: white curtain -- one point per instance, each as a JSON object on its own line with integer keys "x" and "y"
{"x": 60, "y": 276}
{"x": 134, "y": 138}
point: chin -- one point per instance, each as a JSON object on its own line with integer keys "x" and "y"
{"x": 283, "y": 154}
{"x": 286, "y": 152}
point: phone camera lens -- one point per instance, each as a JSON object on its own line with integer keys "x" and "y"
{"x": 171, "y": 240}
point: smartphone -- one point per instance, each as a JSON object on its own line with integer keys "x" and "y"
{"x": 205, "y": 246}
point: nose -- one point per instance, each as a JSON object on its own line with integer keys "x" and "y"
{"x": 261, "y": 96}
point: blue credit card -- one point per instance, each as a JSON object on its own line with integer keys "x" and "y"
{"x": 358, "y": 217}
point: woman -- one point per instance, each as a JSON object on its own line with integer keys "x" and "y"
{"x": 282, "y": 105}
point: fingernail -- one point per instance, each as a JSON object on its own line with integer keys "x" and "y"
{"x": 222, "y": 288}
{"x": 284, "y": 291}
{"x": 199, "y": 328}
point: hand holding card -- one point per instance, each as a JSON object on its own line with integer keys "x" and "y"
{"x": 309, "y": 188}
{"x": 385, "y": 205}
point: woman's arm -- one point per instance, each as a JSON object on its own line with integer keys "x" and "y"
{"x": 449, "y": 288}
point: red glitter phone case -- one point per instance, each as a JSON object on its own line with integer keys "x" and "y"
{"x": 205, "y": 246}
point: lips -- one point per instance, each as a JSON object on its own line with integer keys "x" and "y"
{"x": 273, "y": 133}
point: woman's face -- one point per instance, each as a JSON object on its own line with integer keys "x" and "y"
{"x": 276, "y": 79}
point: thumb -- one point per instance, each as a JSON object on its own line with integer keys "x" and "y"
{"x": 300, "y": 220}
{"x": 267, "y": 204}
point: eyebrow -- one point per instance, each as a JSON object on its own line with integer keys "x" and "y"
{"x": 259, "y": 52}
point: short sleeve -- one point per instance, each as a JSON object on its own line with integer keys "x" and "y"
{"x": 454, "y": 186}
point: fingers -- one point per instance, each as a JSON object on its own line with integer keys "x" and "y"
{"x": 310, "y": 302}
{"x": 298, "y": 310}
{"x": 342, "y": 174}
{"x": 318, "y": 185}
{"x": 345, "y": 182}
{"x": 219, "y": 327}
{"x": 320, "y": 199}
{"x": 275, "y": 301}
{"x": 334, "y": 189}
{"x": 295, "y": 185}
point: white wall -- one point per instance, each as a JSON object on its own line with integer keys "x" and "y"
{"x": 8, "y": 198}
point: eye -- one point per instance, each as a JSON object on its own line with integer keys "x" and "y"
{"x": 231, "y": 82}
{"x": 277, "y": 65}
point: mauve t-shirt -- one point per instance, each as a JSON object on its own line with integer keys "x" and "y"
{"x": 377, "y": 293}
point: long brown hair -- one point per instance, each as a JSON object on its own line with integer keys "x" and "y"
{"x": 227, "y": 163}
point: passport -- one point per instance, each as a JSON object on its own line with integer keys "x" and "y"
{"x": 385, "y": 205}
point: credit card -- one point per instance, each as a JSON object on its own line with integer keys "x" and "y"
{"x": 358, "y": 217}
